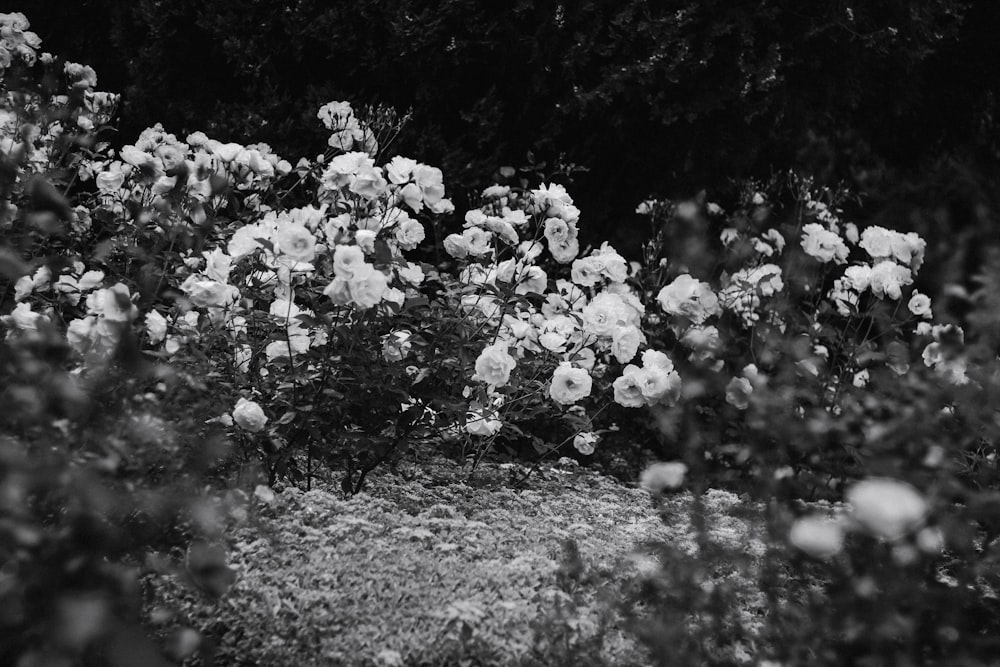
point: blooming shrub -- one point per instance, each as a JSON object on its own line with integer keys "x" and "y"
{"x": 789, "y": 353}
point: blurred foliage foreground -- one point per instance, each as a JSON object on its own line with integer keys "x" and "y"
{"x": 193, "y": 331}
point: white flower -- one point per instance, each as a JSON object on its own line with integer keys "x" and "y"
{"x": 474, "y": 218}
{"x": 23, "y": 287}
{"x": 569, "y": 384}
{"x": 295, "y": 242}
{"x": 703, "y": 341}
{"x": 290, "y": 346}
{"x": 625, "y": 343}
{"x": 657, "y": 359}
{"x": 411, "y": 273}
{"x": 659, "y": 385}
{"x": 551, "y": 198}
{"x": 477, "y": 241}
{"x": 113, "y": 303}
{"x": 588, "y": 271}
{"x": 889, "y": 278}
{"x": 78, "y": 333}
{"x": 365, "y": 238}
{"x": 228, "y": 152}
{"x": 584, "y": 443}
{"x": 249, "y": 416}
{"x": 109, "y": 182}
{"x": 532, "y": 281}
{"x": 886, "y": 508}
{"x": 430, "y": 181}
{"x": 395, "y": 296}
{"x": 824, "y": 245}
{"x": 336, "y": 115}
{"x": 729, "y": 235}
{"x": 817, "y": 536}
{"x": 156, "y": 326}
{"x": 244, "y": 241}
{"x": 738, "y": 393}
{"x": 877, "y": 242}
{"x": 206, "y": 293}
{"x": 368, "y": 182}
{"x": 347, "y": 260}
{"x": 90, "y": 280}
{"x": 218, "y": 265}
{"x": 920, "y": 305}
{"x": 412, "y": 197}
{"x": 341, "y": 170}
{"x": 604, "y": 315}
{"x": 367, "y": 286}
{"x": 529, "y": 250}
{"x": 660, "y": 477}
{"x": 482, "y": 422}
{"x": 858, "y": 277}
{"x": 457, "y": 246}
{"x": 559, "y": 231}
{"x": 628, "y": 390}
{"x": 399, "y": 169}
{"x": 565, "y": 252}
{"x": 23, "y": 317}
{"x": 615, "y": 267}
{"x": 494, "y": 365}
{"x": 409, "y": 234}
{"x": 503, "y": 229}
{"x": 690, "y": 298}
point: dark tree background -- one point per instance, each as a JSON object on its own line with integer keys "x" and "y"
{"x": 897, "y": 97}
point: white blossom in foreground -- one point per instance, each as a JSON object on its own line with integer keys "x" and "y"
{"x": 818, "y": 536}
{"x": 886, "y": 508}
{"x": 661, "y": 477}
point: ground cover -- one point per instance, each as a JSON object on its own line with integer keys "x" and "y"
{"x": 433, "y": 566}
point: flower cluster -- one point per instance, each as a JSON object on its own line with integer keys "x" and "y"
{"x": 18, "y": 42}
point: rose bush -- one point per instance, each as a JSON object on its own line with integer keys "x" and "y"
{"x": 790, "y": 356}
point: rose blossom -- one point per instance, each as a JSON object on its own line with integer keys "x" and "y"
{"x": 584, "y": 443}
{"x": 569, "y": 384}
{"x": 296, "y": 242}
{"x": 494, "y": 365}
{"x": 822, "y": 244}
{"x": 249, "y": 416}
{"x": 690, "y": 298}
{"x": 920, "y": 305}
